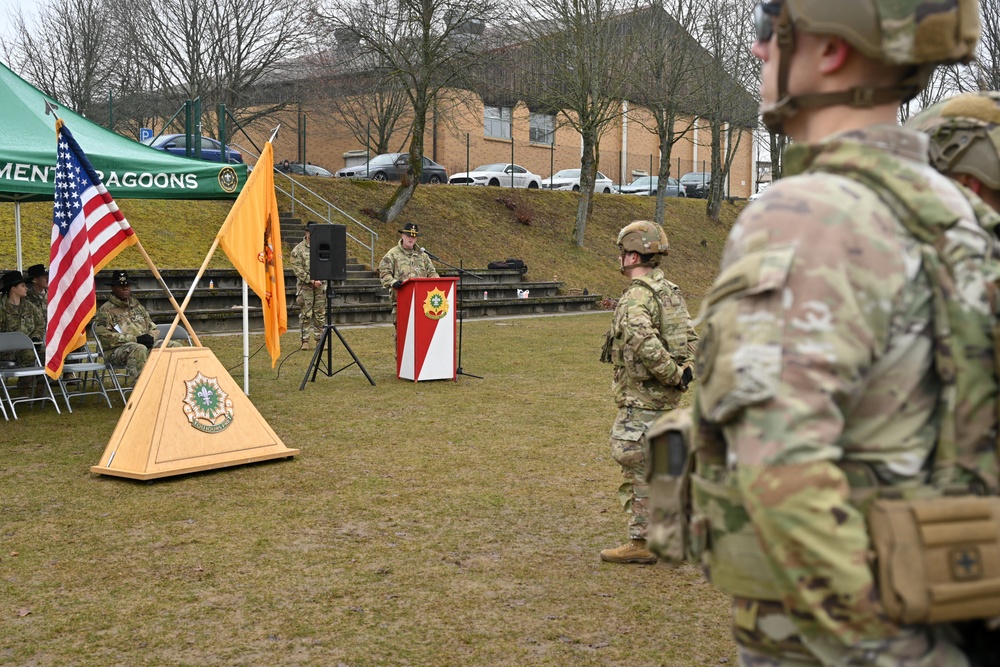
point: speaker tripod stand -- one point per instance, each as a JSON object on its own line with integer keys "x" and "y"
{"x": 326, "y": 343}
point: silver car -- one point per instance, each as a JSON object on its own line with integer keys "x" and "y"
{"x": 649, "y": 185}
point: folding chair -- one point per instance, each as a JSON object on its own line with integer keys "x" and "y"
{"x": 88, "y": 371}
{"x": 180, "y": 334}
{"x": 116, "y": 374}
{"x": 16, "y": 341}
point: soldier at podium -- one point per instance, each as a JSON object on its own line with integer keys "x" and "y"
{"x": 405, "y": 260}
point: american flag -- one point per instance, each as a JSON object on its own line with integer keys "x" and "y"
{"x": 88, "y": 231}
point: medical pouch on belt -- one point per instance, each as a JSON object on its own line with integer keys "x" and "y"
{"x": 738, "y": 365}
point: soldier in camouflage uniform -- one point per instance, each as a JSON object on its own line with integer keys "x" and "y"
{"x": 404, "y": 261}
{"x": 310, "y": 294}
{"x": 124, "y": 328}
{"x": 818, "y": 349}
{"x": 17, "y": 314}
{"x": 651, "y": 344}
{"x": 965, "y": 141}
{"x": 38, "y": 290}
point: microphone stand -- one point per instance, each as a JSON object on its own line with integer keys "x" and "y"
{"x": 461, "y": 309}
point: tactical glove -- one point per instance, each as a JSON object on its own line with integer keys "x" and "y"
{"x": 145, "y": 339}
{"x": 686, "y": 377}
{"x": 397, "y": 284}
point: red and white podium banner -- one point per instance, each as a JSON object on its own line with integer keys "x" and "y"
{"x": 425, "y": 329}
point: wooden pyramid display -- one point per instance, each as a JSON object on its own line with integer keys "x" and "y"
{"x": 187, "y": 414}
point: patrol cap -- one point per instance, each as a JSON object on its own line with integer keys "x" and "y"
{"x": 410, "y": 228}
{"x": 10, "y": 279}
{"x": 964, "y": 133}
{"x": 36, "y": 271}
{"x": 119, "y": 278}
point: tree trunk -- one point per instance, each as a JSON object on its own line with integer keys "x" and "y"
{"x": 778, "y": 142}
{"x": 588, "y": 165}
{"x": 401, "y": 197}
{"x": 716, "y": 189}
{"x": 665, "y": 132}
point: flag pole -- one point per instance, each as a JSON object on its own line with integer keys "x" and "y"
{"x": 173, "y": 302}
{"x": 187, "y": 298}
{"x": 246, "y": 338}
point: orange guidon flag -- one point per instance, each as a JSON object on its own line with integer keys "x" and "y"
{"x": 251, "y": 238}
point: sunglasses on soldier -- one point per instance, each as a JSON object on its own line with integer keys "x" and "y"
{"x": 764, "y": 14}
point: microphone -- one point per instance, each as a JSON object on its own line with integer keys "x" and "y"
{"x": 432, "y": 256}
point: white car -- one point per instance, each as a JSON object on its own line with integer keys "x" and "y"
{"x": 500, "y": 175}
{"x": 569, "y": 179}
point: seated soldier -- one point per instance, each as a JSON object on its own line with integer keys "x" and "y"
{"x": 17, "y": 314}
{"x": 38, "y": 290}
{"x": 124, "y": 328}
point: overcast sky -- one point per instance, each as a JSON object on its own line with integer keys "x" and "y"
{"x": 7, "y": 10}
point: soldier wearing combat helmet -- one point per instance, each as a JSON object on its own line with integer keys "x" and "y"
{"x": 651, "y": 345}
{"x": 827, "y": 388}
{"x": 965, "y": 141}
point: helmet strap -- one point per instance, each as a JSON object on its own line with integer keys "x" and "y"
{"x": 861, "y": 97}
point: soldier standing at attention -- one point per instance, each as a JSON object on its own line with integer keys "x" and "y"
{"x": 310, "y": 294}
{"x": 17, "y": 314}
{"x": 965, "y": 141}
{"x": 38, "y": 290}
{"x": 824, "y": 375}
{"x": 651, "y": 344}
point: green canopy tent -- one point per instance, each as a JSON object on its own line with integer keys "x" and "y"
{"x": 129, "y": 169}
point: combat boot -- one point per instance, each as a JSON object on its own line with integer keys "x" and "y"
{"x": 306, "y": 345}
{"x": 634, "y": 551}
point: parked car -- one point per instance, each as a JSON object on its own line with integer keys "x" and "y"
{"x": 307, "y": 170}
{"x": 498, "y": 174}
{"x": 696, "y": 183}
{"x": 649, "y": 185}
{"x": 569, "y": 179}
{"x": 211, "y": 150}
{"x": 391, "y": 167}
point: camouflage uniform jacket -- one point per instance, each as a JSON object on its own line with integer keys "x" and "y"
{"x": 402, "y": 264}
{"x": 300, "y": 266}
{"x": 41, "y": 304}
{"x": 652, "y": 338}
{"x": 23, "y": 317}
{"x": 118, "y": 322}
{"x": 818, "y": 349}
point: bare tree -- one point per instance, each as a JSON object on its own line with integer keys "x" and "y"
{"x": 373, "y": 111}
{"x": 666, "y": 79}
{"x": 71, "y": 52}
{"x": 223, "y": 51}
{"x": 729, "y": 105}
{"x": 424, "y": 46}
{"x": 575, "y": 53}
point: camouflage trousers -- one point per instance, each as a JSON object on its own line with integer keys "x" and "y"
{"x": 312, "y": 313}
{"x": 628, "y": 449}
{"x": 766, "y": 637}
{"x": 132, "y": 356}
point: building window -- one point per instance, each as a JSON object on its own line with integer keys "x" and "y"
{"x": 496, "y": 122}
{"x": 542, "y": 129}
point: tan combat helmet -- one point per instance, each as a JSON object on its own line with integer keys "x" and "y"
{"x": 645, "y": 238}
{"x": 965, "y": 136}
{"x": 919, "y": 33}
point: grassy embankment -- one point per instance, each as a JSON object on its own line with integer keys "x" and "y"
{"x": 457, "y": 223}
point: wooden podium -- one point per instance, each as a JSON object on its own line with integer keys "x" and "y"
{"x": 425, "y": 329}
{"x": 186, "y": 414}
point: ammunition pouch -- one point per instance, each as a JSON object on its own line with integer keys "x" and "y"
{"x": 938, "y": 559}
{"x": 666, "y": 463}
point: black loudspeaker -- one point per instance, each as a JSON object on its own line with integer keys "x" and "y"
{"x": 328, "y": 252}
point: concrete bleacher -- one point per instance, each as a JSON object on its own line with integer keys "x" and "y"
{"x": 215, "y": 305}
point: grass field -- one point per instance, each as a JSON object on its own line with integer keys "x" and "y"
{"x": 422, "y": 524}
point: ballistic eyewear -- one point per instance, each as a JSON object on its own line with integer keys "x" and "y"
{"x": 764, "y": 14}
